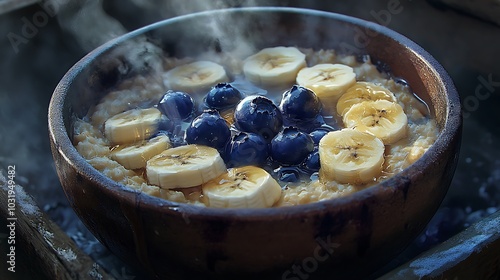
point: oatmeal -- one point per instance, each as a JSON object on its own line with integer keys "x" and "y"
{"x": 293, "y": 126}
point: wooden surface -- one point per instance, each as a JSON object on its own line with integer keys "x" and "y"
{"x": 472, "y": 254}
{"x": 42, "y": 249}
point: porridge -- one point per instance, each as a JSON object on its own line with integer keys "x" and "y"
{"x": 283, "y": 126}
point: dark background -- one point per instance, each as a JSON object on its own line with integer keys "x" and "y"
{"x": 465, "y": 44}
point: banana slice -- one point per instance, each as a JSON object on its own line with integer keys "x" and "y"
{"x": 350, "y": 156}
{"x": 132, "y": 126}
{"x": 328, "y": 81}
{"x": 184, "y": 167}
{"x": 276, "y": 66}
{"x": 363, "y": 91}
{"x": 382, "y": 118}
{"x": 136, "y": 156}
{"x": 196, "y": 76}
{"x": 242, "y": 187}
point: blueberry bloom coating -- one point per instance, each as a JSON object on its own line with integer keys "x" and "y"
{"x": 176, "y": 105}
{"x": 208, "y": 129}
{"x": 300, "y": 104}
{"x": 247, "y": 148}
{"x": 291, "y": 146}
{"x": 258, "y": 114}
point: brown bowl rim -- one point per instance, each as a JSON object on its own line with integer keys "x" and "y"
{"x": 64, "y": 146}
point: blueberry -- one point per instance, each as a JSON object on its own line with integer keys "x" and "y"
{"x": 223, "y": 95}
{"x": 306, "y": 126}
{"x": 291, "y": 146}
{"x": 258, "y": 114}
{"x": 176, "y": 105}
{"x": 208, "y": 129}
{"x": 319, "y": 133}
{"x": 288, "y": 175}
{"x": 312, "y": 162}
{"x": 246, "y": 149}
{"x": 300, "y": 104}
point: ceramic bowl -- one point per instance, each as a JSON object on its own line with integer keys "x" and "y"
{"x": 349, "y": 237}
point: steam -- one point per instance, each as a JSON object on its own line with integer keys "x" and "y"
{"x": 87, "y": 22}
{"x": 90, "y": 26}
{"x": 174, "y": 8}
{"x": 224, "y": 27}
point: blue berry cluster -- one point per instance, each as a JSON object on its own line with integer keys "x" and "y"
{"x": 283, "y": 138}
